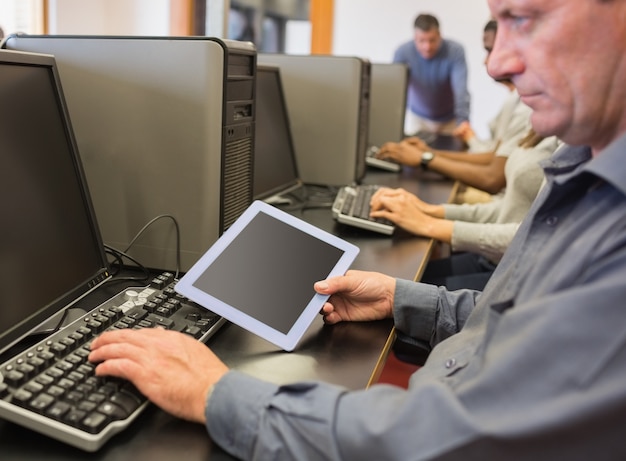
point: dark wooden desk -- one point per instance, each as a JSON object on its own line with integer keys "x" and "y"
{"x": 347, "y": 354}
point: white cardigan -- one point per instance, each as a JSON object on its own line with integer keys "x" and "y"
{"x": 488, "y": 228}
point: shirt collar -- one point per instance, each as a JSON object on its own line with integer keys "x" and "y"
{"x": 610, "y": 164}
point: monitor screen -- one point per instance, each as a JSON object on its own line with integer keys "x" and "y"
{"x": 275, "y": 169}
{"x": 51, "y": 249}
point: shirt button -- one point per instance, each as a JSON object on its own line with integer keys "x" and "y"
{"x": 450, "y": 363}
{"x": 552, "y": 220}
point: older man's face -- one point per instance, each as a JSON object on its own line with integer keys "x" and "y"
{"x": 567, "y": 61}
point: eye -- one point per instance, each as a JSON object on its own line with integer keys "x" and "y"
{"x": 519, "y": 21}
{"x": 514, "y": 21}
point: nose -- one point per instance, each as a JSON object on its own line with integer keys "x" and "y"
{"x": 505, "y": 59}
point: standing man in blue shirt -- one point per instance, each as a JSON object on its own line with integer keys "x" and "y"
{"x": 532, "y": 368}
{"x": 437, "y": 99}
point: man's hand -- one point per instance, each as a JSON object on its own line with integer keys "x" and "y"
{"x": 171, "y": 369}
{"x": 357, "y": 296}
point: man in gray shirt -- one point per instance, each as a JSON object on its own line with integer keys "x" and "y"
{"x": 532, "y": 368}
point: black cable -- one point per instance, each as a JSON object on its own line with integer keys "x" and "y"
{"x": 119, "y": 255}
{"x": 320, "y": 197}
{"x": 144, "y": 228}
{"x": 118, "y": 260}
{"x": 311, "y": 196}
{"x": 54, "y": 329}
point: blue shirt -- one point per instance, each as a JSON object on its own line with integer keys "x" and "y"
{"x": 437, "y": 87}
{"x": 532, "y": 368}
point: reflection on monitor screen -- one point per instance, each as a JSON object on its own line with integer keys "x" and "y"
{"x": 275, "y": 170}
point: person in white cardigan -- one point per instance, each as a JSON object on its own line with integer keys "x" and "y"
{"x": 478, "y": 233}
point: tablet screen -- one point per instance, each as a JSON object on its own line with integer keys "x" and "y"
{"x": 260, "y": 273}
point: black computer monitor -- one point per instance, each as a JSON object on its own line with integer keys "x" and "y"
{"x": 275, "y": 168}
{"x": 50, "y": 246}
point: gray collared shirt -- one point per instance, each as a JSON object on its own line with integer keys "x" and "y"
{"x": 532, "y": 368}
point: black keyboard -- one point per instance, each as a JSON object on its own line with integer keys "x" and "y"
{"x": 51, "y": 387}
{"x": 352, "y": 206}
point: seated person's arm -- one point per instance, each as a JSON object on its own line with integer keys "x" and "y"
{"x": 482, "y": 158}
{"x": 475, "y": 157}
{"x": 488, "y": 177}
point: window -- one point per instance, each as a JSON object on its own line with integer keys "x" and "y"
{"x": 22, "y": 16}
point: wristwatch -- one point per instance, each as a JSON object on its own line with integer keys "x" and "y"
{"x": 426, "y": 159}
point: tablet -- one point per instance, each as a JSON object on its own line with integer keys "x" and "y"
{"x": 260, "y": 273}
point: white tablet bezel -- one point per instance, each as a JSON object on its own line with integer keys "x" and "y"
{"x": 287, "y": 341}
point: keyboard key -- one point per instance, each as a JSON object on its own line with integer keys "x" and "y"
{"x": 94, "y": 422}
{"x": 41, "y": 402}
{"x": 126, "y": 401}
{"x": 56, "y": 391}
{"x": 74, "y": 396}
{"x": 44, "y": 380}
{"x": 14, "y": 378}
{"x": 74, "y": 417}
{"x": 4, "y": 390}
{"x": 113, "y": 411}
{"x": 193, "y": 331}
{"x": 58, "y": 349}
{"x": 26, "y": 369}
{"x": 58, "y": 410}
{"x": 87, "y": 406}
{"x": 37, "y": 363}
{"x": 34, "y": 387}
{"x": 22, "y": 397}
{"x": 96, "y": 397}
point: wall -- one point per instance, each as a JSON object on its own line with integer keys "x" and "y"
{"x": 373, "y": 29}
{"x": 21, "y": 16}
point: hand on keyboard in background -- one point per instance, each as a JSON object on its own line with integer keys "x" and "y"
{"x": 402, "y": 152}
{"x": 170, "y": 368}
{"x": 412, "y": 214}
{"x": 417, "y": 143}
{"x": 377, "y": 204}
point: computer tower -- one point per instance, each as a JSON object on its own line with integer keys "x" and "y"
{"x": 389, "y": 84}
{"x": 328, "y": 101}
{"x": 165, "y": 129}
